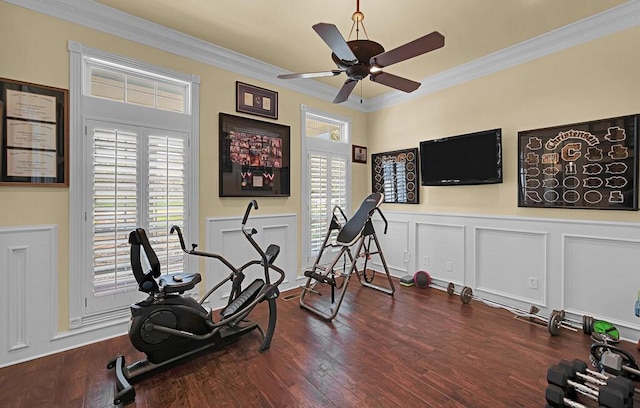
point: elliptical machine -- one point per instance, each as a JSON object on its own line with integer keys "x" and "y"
{"x": 170, "y": 327}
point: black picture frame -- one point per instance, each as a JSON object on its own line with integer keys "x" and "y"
{"x": 396, "y": 174}
{"x": 34, "y": 134}
{"x": 254, "y": 157}
{"x": 588, "y": 165}
{"x": 256, "y": 101}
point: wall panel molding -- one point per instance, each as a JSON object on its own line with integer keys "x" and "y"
{"x": 224, "y": 237}
{"x": 28, "y": 319}
{"x": 580, "y": 266}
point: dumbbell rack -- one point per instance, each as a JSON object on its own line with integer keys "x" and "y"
{"x": 569, "y": 380}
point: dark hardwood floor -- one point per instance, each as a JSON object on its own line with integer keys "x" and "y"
{"x": 420, "y": 348}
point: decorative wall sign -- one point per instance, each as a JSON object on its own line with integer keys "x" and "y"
{"x": 256, "y": 101}
{"x": 33, "y": 134}
{"x": 396, "y": 175}
{"x": 254, "y": 157}
{"x": 591, "y": 165}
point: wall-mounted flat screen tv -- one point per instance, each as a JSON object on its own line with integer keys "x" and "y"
{"x": 473, "y": 158}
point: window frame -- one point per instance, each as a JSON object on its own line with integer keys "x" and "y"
{"x": 337, "y": 149}
{"x": 84, "y": 108}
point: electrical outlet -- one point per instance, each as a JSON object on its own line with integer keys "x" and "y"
{"x": 448, "y": 266}
{"x": 533, "y": 282}
{"x": 425, "y": 261}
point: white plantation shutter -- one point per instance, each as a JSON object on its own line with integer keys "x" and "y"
{"x": 318, "y": 199}
{"x": 130, "y": 192}
{"x": 338, "y": 182}
{"x": 115, "y": 214}
{"x": 166, "y": 204}
{"x": 327, "y": 183}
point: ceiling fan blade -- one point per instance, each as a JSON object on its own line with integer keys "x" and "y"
{"x": 333, "y": 72}
{"x": 394, "y": 81}
{"x": 422, "y": 45}
{"x": 330, "y": 35}
{"x": 345, "y": 91}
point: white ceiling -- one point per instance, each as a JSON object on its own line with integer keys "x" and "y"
{"x": 279, "y": 32}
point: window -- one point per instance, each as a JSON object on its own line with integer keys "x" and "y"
{"x": 327, "y": 148}
{"x": 114, "y": 82}
{"x": 137, "y": 167}
{"x": 124, "y": 194}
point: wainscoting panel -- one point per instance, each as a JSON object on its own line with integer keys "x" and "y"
{"x": 224, "y": 237}
{"x": 580, "y": 266}
{"x": 440, "y": 251}
{"x": 28, "y": 295}
{"x": 394, "y": 245}
{"x": 601, "y": 274}
{"x": 511, "y": 263}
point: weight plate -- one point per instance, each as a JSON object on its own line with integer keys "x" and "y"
{"x": 466, "y": 295}
{"x": 603, "y": 338}
{"x": 451, "y": 288}
{"x": 554, "y": 323}
{"x": 532, "y": 311}
{"x": 606, "y": 328}
{"x": 584, "y": 324}
{"x": 589, "y": 324}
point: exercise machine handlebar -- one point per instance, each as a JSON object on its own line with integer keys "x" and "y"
{"x": 252, "y": 203}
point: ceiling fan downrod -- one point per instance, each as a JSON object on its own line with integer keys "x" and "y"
{"x": 357, "y": 17}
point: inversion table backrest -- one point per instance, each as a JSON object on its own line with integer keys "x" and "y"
{"x": 351, "y": 231}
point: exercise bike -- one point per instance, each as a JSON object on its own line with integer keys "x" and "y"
{"x": 169, "y": 326}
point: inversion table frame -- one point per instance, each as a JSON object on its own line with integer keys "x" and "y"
{"x": 358, "y": 230}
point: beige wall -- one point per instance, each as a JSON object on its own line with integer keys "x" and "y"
{"x": 592, "y": 81}
{"x": 34, "y": 49}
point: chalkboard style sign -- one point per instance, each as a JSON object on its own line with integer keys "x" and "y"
{"x": 590, "y": 165}
{"x": 396, "y": 175}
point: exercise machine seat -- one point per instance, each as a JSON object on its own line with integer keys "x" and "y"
{"x": 171, "y": 283}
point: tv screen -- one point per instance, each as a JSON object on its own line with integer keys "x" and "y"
{"x": 474, "y": 158}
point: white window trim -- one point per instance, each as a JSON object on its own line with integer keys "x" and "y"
{"x": 305, "y": 188}
{"x": 77, "y": 271}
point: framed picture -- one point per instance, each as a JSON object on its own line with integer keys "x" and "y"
{"x": 359, "y": 154}
{"x": 396, "y": 174}
{"x": 254, "y": 158}
{"x": 33, "y": 134}
{"x": 590, "y": 165}
{"x": 256, "y": 101}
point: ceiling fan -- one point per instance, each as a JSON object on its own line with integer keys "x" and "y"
{"x": 361, "y": 58}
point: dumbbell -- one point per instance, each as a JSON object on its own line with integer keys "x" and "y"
{"x": 556, "y": 398}
{"x": 606, "y": 396}
{"x": 557, "y": 321}
{"x": 578, "y": 370}
{"x": 614, "y": 363}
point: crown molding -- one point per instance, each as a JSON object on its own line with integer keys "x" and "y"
{"x": 97, "y": 16}
{"x": 616, "y": 19}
